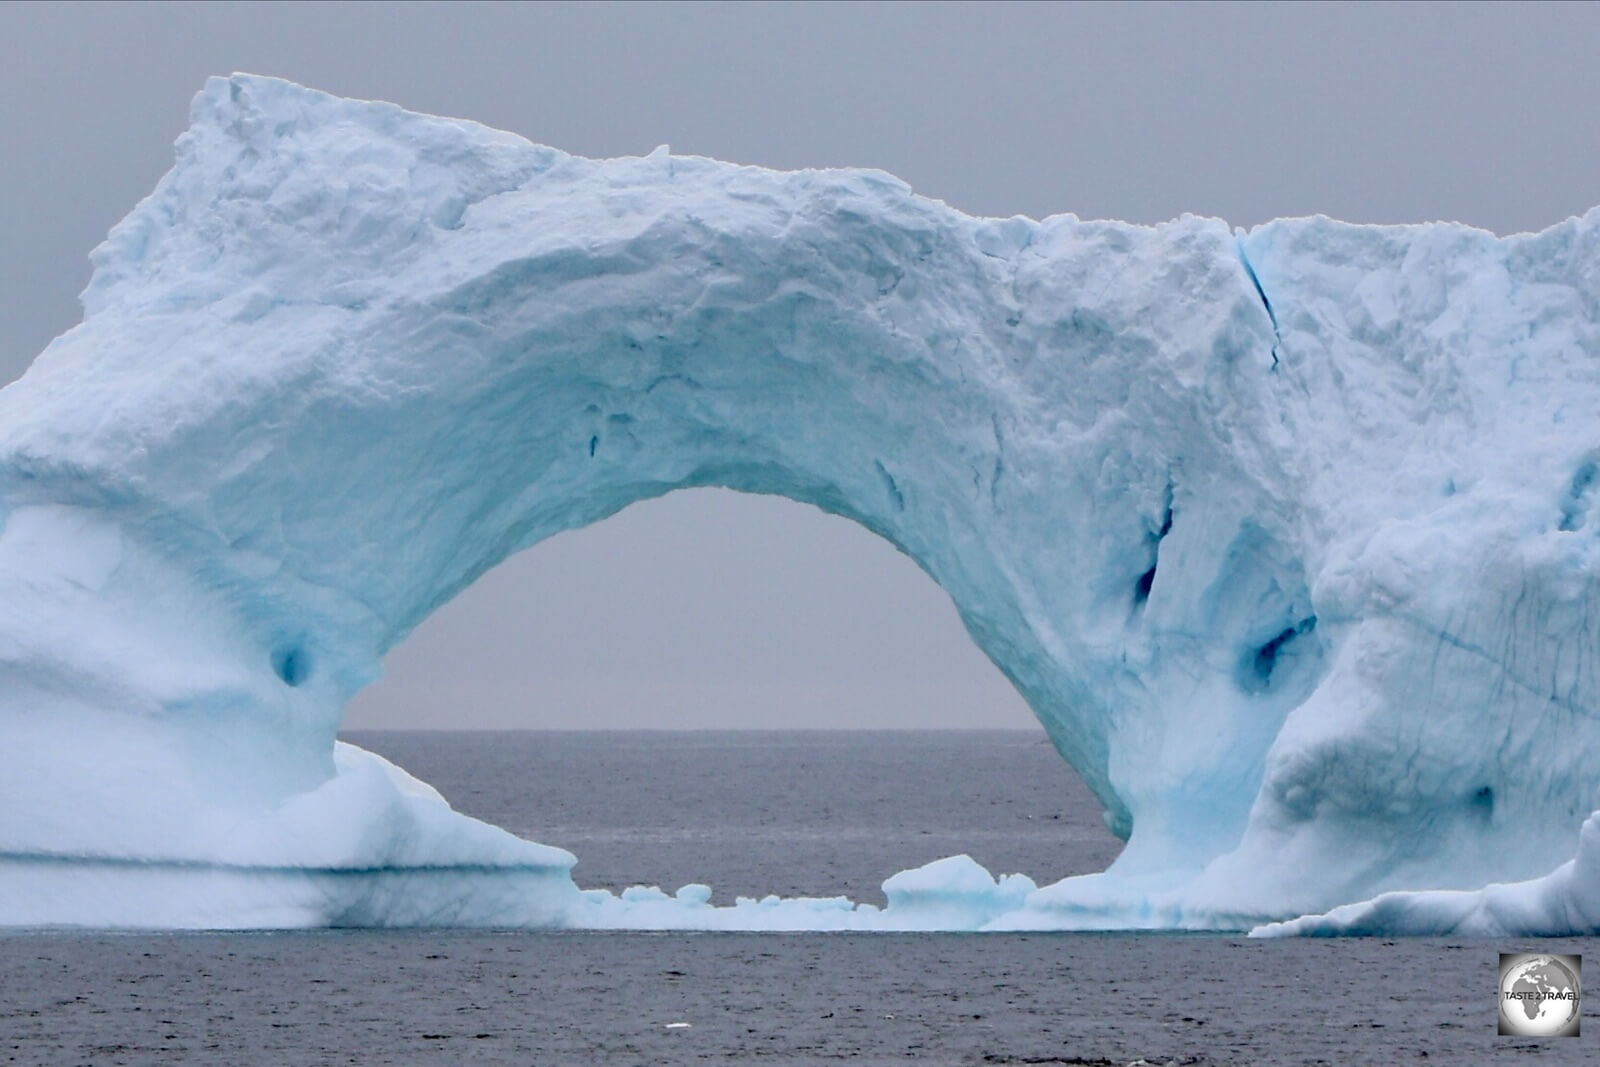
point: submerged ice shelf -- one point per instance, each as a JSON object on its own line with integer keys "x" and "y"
{"x": 1290, "y": 537}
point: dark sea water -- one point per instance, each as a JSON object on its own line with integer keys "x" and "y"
{"x": 752, "y": 813}
{"x": 812, "y": 813}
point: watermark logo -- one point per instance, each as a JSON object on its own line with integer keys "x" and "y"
{"x": 1539, "y": 995}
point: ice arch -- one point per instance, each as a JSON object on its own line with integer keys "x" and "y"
{"x": 1287, "y": 537}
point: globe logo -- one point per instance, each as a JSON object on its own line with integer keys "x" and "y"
{"x": 1539, "y": 995}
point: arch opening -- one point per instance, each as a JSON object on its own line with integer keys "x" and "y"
{"x": 700, "y": 609}
{"x": 729, "y": 680}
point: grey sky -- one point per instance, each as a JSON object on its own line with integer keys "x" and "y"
{"x": 708, "y": 609}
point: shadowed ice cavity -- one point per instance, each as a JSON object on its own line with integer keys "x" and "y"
{"x": 1285, "y": 535}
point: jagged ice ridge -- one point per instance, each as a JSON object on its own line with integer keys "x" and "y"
{"x": 1290, "y": 537}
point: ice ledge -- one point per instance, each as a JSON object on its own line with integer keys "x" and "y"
{"x": 1564, "y": 903}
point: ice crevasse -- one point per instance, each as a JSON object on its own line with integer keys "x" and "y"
{"x": 1290, "y": 537}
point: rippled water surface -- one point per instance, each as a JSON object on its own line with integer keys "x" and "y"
{"x": 751, "y": 813}
{"x": 814, "y": 813}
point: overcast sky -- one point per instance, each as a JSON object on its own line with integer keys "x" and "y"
{"x": 712, "y": 609}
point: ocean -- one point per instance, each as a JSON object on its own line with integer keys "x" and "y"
{"x": 751, "y": 813}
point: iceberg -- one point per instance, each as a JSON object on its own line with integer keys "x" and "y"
{"x": 1289, "y": 537}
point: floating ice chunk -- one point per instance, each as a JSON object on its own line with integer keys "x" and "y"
{"x": 955, "y": 893}
{"x": 648, "y": 908}
{"x": 693, "y": 895}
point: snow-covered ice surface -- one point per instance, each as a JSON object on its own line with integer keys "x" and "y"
{"x": 1291, "y": 538}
